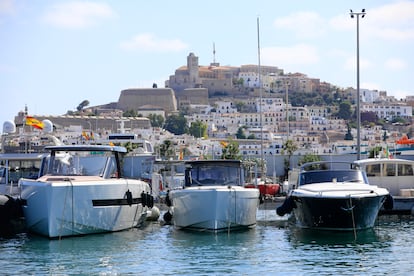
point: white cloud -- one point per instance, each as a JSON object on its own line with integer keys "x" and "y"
{"x": 395, "y": 64}
{"x": 294, "y": 55}
{"x": 391, "y": 22}
{"x": 304, "y": 24}
{"x": 399, "y": 13}
{"x": 76, "y": 15}
{"x": 148, "y": 42}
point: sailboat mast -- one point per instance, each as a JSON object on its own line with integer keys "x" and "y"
{"x": 261, "y": 100}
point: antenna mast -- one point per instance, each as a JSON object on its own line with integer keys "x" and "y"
{"x": 214, "y": 53}
{"x": 261, "y": 102}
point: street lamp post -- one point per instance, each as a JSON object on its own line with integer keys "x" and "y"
{"x": 357, "y": 14}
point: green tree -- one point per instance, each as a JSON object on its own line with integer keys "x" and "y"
{"x": 82, "y": 105}
{"x": 130, "y": 113}
{"x": 240, "y": 133}
{"x": 348, "y": 135}
{"x": 373, "y": 152}
{"x": 167, "y": 150}
{"x": 156, "y": 120}
{"x": 176, "y": 124}
{"x": 309, "y": 157}
{"x": 231, "y": 151}
{"x": 345, "y": 111}
{"x": 398, "y": 120}
{"x": 198, "y": 129}
{"x": 288, "y": 148}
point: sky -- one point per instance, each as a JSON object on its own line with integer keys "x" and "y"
{"x": 54, "y": 54}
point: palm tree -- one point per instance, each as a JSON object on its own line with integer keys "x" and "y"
{"x": 230, "y": 150}
{"x": 288, "y": 148}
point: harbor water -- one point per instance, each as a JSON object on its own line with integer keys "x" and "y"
{"x": 273, "y": 247}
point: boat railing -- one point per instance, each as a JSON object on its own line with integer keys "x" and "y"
{"x": 329, "y": 165}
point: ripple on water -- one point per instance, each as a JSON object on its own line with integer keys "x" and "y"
{"x": 274, "y": 246}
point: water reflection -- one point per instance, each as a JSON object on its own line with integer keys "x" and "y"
{"x": 307, "y": 236}
{"x": 110, "y": 253}
{"x": 275, "y": 246}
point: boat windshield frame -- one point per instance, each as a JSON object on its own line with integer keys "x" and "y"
{"x": 214, "y": 174}
{"x": 99, "y": 161}
{"x": 331, "y": 172}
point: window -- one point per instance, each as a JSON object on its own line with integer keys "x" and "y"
{"x": 390, "y": 169}
{"x": 373, "y": 170}
{"x": 405, "y": 170}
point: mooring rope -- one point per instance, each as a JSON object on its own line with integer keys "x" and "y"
{"x": 64, "y": 209}
{"x": 353, "y": 218}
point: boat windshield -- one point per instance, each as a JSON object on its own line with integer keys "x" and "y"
{"x": 86, "y": 163}
{"x": 311, "y": 177}
{"x": 213, "y": 175}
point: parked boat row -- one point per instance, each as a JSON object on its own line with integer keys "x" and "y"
{"x": 84, "y": 189}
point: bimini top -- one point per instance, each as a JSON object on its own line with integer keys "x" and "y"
{"x": 86, "y": 148}
{"x": 369, "y": 161}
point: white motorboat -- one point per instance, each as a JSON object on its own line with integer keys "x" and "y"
{"x": 214, "y": 197}
{"x": 334, "y": 196}
{"x": 81, "y": 191}
{"x": 395, "y": 175}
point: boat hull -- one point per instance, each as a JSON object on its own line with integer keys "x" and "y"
{"x": 57, "y": 208}
{"x": 214, "y": 208}
{"x": 352, "y": 213}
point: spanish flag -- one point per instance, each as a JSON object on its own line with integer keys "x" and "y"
{"x": 31, "y": 121}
